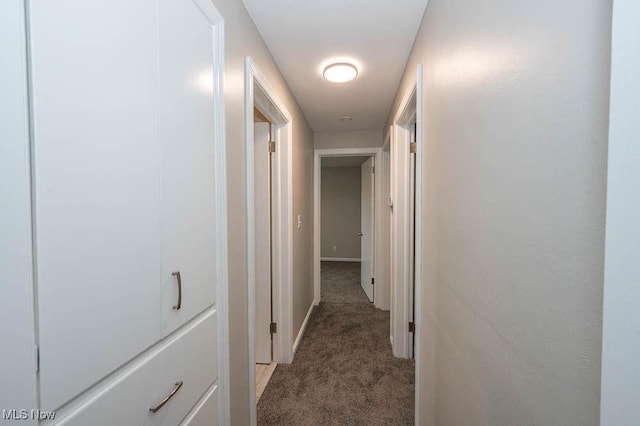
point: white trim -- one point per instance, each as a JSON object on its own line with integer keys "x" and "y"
{"x": 258, "y": 92}
{"x": 346, "y": 152}
{"x": 18, "y": 290}
{"x": 220, "y": 197}
{"x": 340, "y": 259}
{"x": 303, "y": 328}
{"x": 409, "y": 111}
{"x": 417, "y": 352}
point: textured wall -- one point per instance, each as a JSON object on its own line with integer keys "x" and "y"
{"x": 348, "y": 139}
{"x": 242, "y": 39}
{"x": 340, "y": 212}
{"x": 515, "y": 148}
{"x": 621, "y": 335}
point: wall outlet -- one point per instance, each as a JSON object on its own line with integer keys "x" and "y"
{"x": 334, "y": 248}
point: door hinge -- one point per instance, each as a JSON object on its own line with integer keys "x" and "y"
{"x": 273, "y": 328}
{"x": 373, "y": 281}
{"x": 272, "y": 147}
{"x": 412, "y": 327}
{"x": 37, "y": 359}
{"x": 373, "y": 170}
{"x": 413, "y": 147}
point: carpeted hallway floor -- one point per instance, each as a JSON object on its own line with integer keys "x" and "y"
{"x": 344, "y": 372}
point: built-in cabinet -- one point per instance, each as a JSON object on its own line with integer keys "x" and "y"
{"x": 124, "y": 213}
{"x": 187, "y": 160}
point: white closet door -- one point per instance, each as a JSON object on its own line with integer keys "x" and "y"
{"x": 262, "y": 231}
{"x": 94, "y": 68}
{"x": 187, "y": 140}
{"x": 367, "y": 207}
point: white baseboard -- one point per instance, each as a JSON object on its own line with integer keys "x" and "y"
{"x": 340, "y": 259}
{"x": 302, "y": 330}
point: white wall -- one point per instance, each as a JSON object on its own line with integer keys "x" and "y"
{"x": 17, "y": 356}
{"x": 620, "y": 405}
{"x": 347, "y": 139}
{"x": 515, "y": 148}
{"x": 340, "y": 212}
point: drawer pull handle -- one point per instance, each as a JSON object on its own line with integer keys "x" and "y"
{"x": 179, "y": 278}
{"x": 164, "y": 401}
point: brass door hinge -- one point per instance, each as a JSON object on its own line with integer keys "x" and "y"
{"x": 413, "y": 147}
{"x": 412, "y": 327}
{"x": 272, "y": 147}
{"x": 273, "y": 328}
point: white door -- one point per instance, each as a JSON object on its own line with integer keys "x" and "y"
{"x": 187, "y": 148}
{"x": 262, "y": 231}
{"x": 96, "y": 171}
{"x": 412, "y": 240}
{"x": 366, "y": 227}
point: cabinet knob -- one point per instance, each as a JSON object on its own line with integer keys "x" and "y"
{"x": 179, "y": 280}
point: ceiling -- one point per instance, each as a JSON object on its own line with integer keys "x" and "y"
{"x": 343, "y": 161}
{"x": 305, "y": 35}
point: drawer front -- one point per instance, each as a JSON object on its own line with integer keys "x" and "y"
{"x": 206, "y": 412}
{"x": 190, "y": 358}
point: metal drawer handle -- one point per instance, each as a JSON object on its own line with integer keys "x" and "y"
{"x": 177, "y": 275}
{"x": 164, "y": 401}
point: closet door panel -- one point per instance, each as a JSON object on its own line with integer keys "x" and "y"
{"x": 96, "y": 171}
{"x": 187, "y": 146}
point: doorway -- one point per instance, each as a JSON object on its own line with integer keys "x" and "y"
{"x": 406, "y": 227}
{"x": 406, "y": 220}
{"x": 367, "y": 237}
{"x": 347, "y": 216}
{"x": 268, "y": 136}
{"x": 263, "y": 238}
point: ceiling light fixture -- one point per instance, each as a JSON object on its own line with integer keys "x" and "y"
{"x": 341, "y": 72}
{"x": 346, "y": 119}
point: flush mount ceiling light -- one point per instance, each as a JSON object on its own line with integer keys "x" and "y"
{"x": 346, "y": 119}
{"x": 341, "y": 72}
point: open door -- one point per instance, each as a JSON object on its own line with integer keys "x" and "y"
{"x": 367, "y": 227}
{"x": 263, "y": 273}
{"x": 412, "y": 237}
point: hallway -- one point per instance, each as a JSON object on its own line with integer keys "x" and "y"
{"x": 344, "y": 371}
{"x": 162, "y": 212}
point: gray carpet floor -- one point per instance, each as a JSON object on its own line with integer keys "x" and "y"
{"x": 344, "y": 372}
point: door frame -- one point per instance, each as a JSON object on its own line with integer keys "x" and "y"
{"x": 386, "y": 266}
{"x": 318, "y": 154}
{"x": 220, "y": 209}
{"x": 409, "y": 111}
{"x": 259, "y": 93}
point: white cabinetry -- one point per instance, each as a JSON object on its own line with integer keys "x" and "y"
{"x": 96, "y": 169}
{"x": 188, "y": 360}
{"x": 186, "y": 136}
{"x": 124, "y": 184}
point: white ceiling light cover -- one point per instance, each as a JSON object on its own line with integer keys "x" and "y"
{"x": 341, "y": 72}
